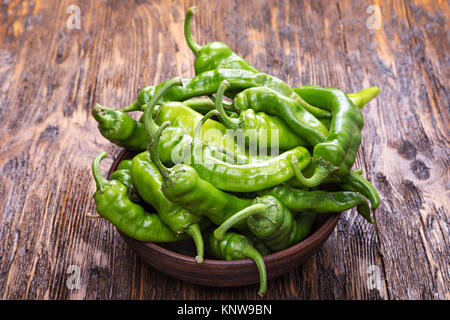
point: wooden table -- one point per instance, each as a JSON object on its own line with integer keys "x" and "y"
{"x": 51, "y": 76}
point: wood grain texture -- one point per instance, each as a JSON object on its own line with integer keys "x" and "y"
{"x": 50, "y": 77}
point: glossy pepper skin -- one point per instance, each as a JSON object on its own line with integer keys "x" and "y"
{"x": 182, "y": 185}
{"x": 204, "y": 105}
{"x": 227, "y": 176}
{"x": 272, "y": 222}
{"x": 113, "y": 204}
{"x": 146, "y": 178}
{"x": 247, "y": 177}
{"x": 124, "y": 131}
{"x": 319, "y": 201}
{"x": 336, "y": 154}
{"x": 119, "y": 128}
{"x": 148, "y": 182}
{"x": 235, "y": 246}
{"x": 359, "y": 99}
{"x": 217, "y": 55}
{"x": 264, "y": 99}
{"x": 259, "y": 127}
{"x": 350, "y": 182}
{"x": 215, "y": 134}
{"x": 123, "y": 175}
{"x": 213, "y": 55}
{"x": 208, "y": 82}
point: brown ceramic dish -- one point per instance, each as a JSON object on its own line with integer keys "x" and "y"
{"x": 176, "y": 259}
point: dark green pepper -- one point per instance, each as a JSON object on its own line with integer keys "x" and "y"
{"x": 272, "y": 222}
{"x": 204, "y": 105}
{"x": 215, "y": 134}
{"x": 119, "y": 128}
{"x": 235, "y": 246}
{"x": 336, "y": 154}
{"x": 264, "y": 100}
{"x": 217, "y": 55}
{"x": 148, "y": 182}
{"x": 318, "y": 200}
{"x": 122, "y": 174}
{"x": 208, "y": 82}
{"x": 223, "y": 175}
{"x": 182, "y": 185}
{"x": 113, "y": 204}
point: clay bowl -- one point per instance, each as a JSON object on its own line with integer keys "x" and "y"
{"x": 177, "y": 259}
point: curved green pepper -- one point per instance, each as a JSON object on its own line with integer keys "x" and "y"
{"x": 123, "y": 175}
{"x": 214, "y": 55}
{"x": 247, "y": 177}
{"x": 119, "y": 128}
{"x": 130, "y": 218}
{"x": 272, "y": 222}
{"x": 267, "y": 100}
{"x": 148, "y": 181}
{"x": 204, "y": 105}
{"x": 217, "y": 55}
{"x": 235, "y": 246}
{"x": 318, "y": 200}
{"x": 264, "y": 100}
{"x": 336, "y": 154}
{"x": 208, "y": 82}
{"x": 215, "y": 134}
{"x": 223, "y": 175}
{"x": 359, "y": 99}
{"x": 182, "y": 185}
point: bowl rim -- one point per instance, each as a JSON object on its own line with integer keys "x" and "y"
{"x": 319, "y": 235}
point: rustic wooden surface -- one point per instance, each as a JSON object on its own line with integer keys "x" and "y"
{"x": 50, "y": 77}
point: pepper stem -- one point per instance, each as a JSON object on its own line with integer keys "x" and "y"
{"x": 199, "y": 125}
{"x": 362, "y": 97}
{"x": 363, "y": 186}
{"x": 104, "y": 116}
{"x": 252, "y": 210}
{"x": 198, "y": 140}
{"x": 100, "y": 180}
{"x": 154, "y": 151}
{"x": 319, "y": 175}
{"x": 226, "y": 120}
{"x": 135, "y": 106}
{"x": 255, "y": 255}
{"x": 150, "y": 126}
{"x": 196, "y": 235}
{"x": 195, "y": 47}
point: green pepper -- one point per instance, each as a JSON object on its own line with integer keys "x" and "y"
{"x": 272, "y": 222}
{"x": 223, "y": 175}
{"x": 122, "y": 174}
{"x": 235, "y": 246}
{"x": 318, "y": 200}
{"x": 264, "y": 100}
{"x": 148, "y": 180}
{"x": 215, "y": 133}
{"x": 257, "y": 243}
{"x": 204, "y": 105}
{"x": 113, "y": 204}
{"x": 214, "y": 55}
{"x": 246, "y": 177}
{"x": 182, "y": 185}
{"x": 120, "y": 128}
{"x": 217, "y": 55}
{"x": 335, "y": 154}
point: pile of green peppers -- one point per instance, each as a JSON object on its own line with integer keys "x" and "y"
{"x": 233, "y": 158}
